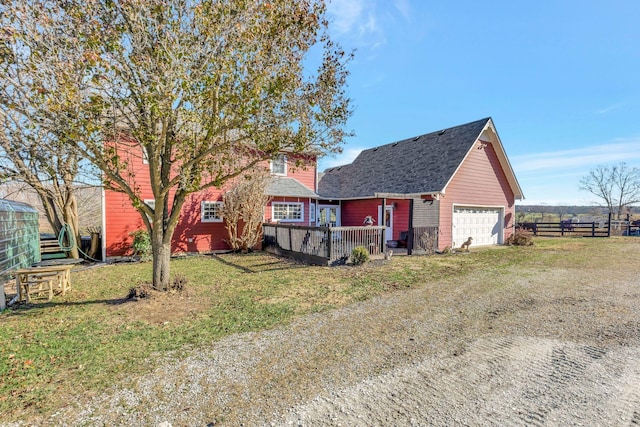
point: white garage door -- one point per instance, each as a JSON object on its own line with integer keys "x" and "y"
{"x": 483, "y": 224}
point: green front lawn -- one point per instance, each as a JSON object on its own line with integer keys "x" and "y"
{"x": 94, "y": 337}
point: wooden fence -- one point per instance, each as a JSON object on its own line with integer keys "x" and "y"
{"x": 321, "y": 245}
{"x": 424, "y": 240}
{"x": 568, "y": 229}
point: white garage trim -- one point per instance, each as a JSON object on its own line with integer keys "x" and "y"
{"x": 484, "y": 223}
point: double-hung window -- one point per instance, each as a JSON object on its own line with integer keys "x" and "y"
{"x": 287, "y": 211}
{"x": 211, "y": 211}
{"x": 279, "y": 165}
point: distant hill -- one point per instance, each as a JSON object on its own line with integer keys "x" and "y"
{"x": 569, "y": 210}
{"x": 547, "y": 213}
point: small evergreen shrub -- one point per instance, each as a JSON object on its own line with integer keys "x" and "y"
{"x": 359, "y": 255}
{"x": 141, "y": 244}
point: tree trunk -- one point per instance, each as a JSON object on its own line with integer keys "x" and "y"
{"x": 161, "y": 259}
{"x": 70, "y": 217}
{"x": 57, "y": 219}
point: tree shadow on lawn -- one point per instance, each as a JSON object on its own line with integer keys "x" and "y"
{"x": 278, "y": 264}
{"x": 23, "y": 308}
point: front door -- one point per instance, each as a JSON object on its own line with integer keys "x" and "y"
{"x": 328, "y": 216}
{"x": 387, "y": 221}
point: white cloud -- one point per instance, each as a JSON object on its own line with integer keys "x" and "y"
{"x": 584, "y": 157}
{"x": 610, "y": 108}
{"x": 404, "y": 8}
{"x": 357, "y": 22}
{"x": 369, "y": 26}
{"x": 346, "y": 14}
{"x": 346, "y": 157}
{"x": 554, "y": 177}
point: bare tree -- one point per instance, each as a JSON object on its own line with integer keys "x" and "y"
{"x": 36, "y": 146}
{"x": 618, "y": 186}
{"x": 206, "y": 89}
{"x": 32, "y": 154}
{"x": 88, "y": 201}
{"x": 243, "y": 209}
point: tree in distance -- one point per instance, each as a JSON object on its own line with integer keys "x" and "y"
{"x": 617, "y": 186}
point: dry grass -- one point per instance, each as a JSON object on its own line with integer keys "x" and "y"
{"x": 93, "y": 338}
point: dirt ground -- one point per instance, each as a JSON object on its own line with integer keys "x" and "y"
{"x": 539, "y": 346}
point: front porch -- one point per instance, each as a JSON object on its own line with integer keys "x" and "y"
{"x": 333, "y": 245}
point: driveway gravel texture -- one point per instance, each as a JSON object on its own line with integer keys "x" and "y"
{"x": 512, "y": 346}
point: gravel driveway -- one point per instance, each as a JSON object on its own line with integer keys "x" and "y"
{"x": 545, "y": 346}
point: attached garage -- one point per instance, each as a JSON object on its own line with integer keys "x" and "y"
{"x": 458, "y": 180}
{"x": 484, "y": 224}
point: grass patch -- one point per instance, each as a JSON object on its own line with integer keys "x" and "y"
{"x": 94, "y": 338}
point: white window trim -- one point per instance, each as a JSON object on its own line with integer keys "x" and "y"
{"x": 273, "y": 216}
{"x": 152, "y": 204}
{"x": 284, "y": 159}
{"x": 202, "y": 218}
{"x": 312, "y": 213}
{"x": 145, "y": 155}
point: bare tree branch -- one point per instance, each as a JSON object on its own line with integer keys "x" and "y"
{"x": 618, "y": 186}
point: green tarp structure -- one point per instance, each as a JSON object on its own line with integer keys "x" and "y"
{"x": 19, "y": 239}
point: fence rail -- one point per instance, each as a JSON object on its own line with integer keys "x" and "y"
{"x": 321, "y": 245}
{"x": 425, "y": 240}
{"x": 567, "y": 229}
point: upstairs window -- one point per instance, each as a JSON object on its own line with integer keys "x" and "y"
{"x": 211, "y": 212}
{"x": 279, "y": 165}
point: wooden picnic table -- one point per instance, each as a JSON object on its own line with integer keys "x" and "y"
{"x": 52, "y": 276}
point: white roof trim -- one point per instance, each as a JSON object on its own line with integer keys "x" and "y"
{"x": 502, "y": 158}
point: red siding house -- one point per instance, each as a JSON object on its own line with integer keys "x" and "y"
{"x": 457, "y": 180}
{"x": 201, "y": 227}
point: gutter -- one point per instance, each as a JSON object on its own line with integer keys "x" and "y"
{"x": 437, "y": 195}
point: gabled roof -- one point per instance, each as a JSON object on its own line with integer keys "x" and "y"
{"x": 287, "y": 187}
{"x": 421, "y": 165}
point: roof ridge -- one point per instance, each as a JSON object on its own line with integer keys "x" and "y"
{"x": 415, "y": 138}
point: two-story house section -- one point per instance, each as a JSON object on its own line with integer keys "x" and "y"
{"x": 201, "y": 227}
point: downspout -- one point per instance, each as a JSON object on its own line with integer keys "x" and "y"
{"x": 410, "y": 236}
{"x": 383, "y": 214}
{"x": 104, "y": 226}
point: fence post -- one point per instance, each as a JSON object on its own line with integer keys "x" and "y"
{"x": 609, "y": 226}
{"x": 410, "y": 233}
{"x": 329, "y": 242}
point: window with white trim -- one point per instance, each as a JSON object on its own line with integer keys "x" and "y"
{"x": 279, "y": 165}
{"x": 145, "y": 155}
{"x": 152, "y": 204}
{"x": 287, "y": 211}
{"x": 211, "y": 211}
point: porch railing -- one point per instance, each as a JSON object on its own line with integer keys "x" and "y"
{"x": 321, "y": 245}
{"x": 425, "y": 240}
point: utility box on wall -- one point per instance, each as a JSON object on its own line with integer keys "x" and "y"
{"x": 19, "y": 240}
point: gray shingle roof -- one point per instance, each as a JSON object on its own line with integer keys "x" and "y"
{"x": 287, "y": 187}
{"x": 418, "y": 165}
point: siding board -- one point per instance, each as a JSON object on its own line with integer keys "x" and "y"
{"x": 426, "y": 213}
{"x": 480, "y": 181}
{"x": 191, "y": 234}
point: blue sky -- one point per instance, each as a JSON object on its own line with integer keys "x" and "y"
{"x": 561, "y": 80}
